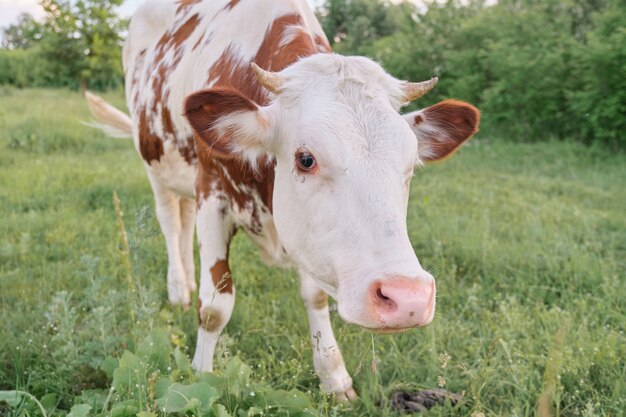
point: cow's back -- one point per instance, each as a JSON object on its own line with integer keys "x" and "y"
{"x": 177, "y": 47}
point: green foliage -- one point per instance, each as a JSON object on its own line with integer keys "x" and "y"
{"x": 599, "y": 98}
{"x": 527, "y": 242}
{"x": 23, "y": 68}
{"x": 536, "y": 69}
{"x": 78, "y": 42}
{"x": 352, "y": 25}
{"x": 22, "y": 34}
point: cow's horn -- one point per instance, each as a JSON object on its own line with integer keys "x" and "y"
{"x": 413, "y": 91}
{"x": 267, "y": 79}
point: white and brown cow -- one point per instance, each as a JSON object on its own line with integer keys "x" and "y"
{"x": 308, "y": 155}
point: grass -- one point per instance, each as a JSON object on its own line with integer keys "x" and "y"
{"x": 527, "y": 242}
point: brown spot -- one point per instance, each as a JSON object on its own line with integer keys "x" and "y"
{"x": 411, "y": 313}
{"x": 209, "y": 318}
{"x": 319, "y": 301}
{"x": 231, "y": 4}
{"x": 220, "y": 273}
{"x": 418, "y": 120}
{"x": 197, "y": 43}
{"x": 184, "y": 31}
{"x": 183, "y": 5}
{"x": 150, "y": 145}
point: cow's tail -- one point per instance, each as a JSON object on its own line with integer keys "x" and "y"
{"x": 107, "y": 118}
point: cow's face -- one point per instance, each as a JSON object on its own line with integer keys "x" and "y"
{"x": 344, "y": 161}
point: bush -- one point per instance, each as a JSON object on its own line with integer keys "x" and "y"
{"x": 23, "y": 68}
{"x": 599, "y": 101}
{"x": 536, "y": 69}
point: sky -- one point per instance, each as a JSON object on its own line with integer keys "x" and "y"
{"x": 11, "y": 9}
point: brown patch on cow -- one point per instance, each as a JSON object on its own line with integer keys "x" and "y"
{"x": 197, "y": 43}
{"x": 411, "y": 313}
{"x": 150, "y": 145}
{"x": 183, "y": 5}
{"x": 231, "y": 4}
{"x": 418, "y": 120}
{"x": 220, "y": 273}
{"x": 188, "y": 151}
{"x": 322, "y": 44}
{"x": 320, "y": 300}
{"x": 456, "y": 122}
{"x": 209, "y": 318}
{"x": 185, "y": 30}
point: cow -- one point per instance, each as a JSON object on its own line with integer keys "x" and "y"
{"x": 245, "y": 119}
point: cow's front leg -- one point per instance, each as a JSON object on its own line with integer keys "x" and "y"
{"x": 327, "y": 358}
{"x": 217, "y": 292}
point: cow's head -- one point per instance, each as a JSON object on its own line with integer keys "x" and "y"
{"x": 344, "y": 162}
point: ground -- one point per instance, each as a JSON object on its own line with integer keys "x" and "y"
{"x": 527, "y": 243}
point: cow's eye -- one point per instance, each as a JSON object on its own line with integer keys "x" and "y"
{"x": 305, "y": 161}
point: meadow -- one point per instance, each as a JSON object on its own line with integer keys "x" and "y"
{"x": 527, "y": 242}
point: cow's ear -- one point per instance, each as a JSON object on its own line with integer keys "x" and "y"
{"x": 228, "y": 122}
{"x": 442, "y": 128}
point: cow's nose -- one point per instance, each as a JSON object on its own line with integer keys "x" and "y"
{"x": 402, "y": 302}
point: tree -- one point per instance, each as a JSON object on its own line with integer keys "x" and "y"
{"x": 353, "y": 25}
{"x": 23, "y": 34}
{"x": 82, "y": 42}
{"x": 78, "y": 42}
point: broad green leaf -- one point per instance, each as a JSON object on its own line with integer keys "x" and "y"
{"x": 49, "y": 402}
{"x": 96, "y": 398}
{"x": 254, "y": 411}
{"x": 180, "y": 397}
{"x": 220, "y": 411}
{"x": 80, "y": 410}
{"x": 13, "y": 398}
{"x": 161, "y": 387}
{"x": 124, "y": 411}
{"x": 109, "y": 365}
{"x": 130, "y": 373}
{"x": 237, "y": 376}
{"x": 293, "y": 400}
{"x": 182, "y": 362}
{"x": 216, "y": 381}
{"x": 155, "y": 350}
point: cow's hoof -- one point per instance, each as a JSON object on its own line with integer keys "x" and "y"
{"x": 346, "y": 396}
{"x": 178, "y": 291}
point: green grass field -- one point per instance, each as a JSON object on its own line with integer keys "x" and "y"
{"x": 527, "y": 243}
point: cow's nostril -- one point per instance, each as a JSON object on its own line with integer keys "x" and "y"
{"x": 384, "y": 303}
{"x": 380, "y": 294}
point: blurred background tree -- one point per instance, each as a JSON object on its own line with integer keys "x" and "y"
{"x": 536, "y": 68}
{"x": 77, "y": 42}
